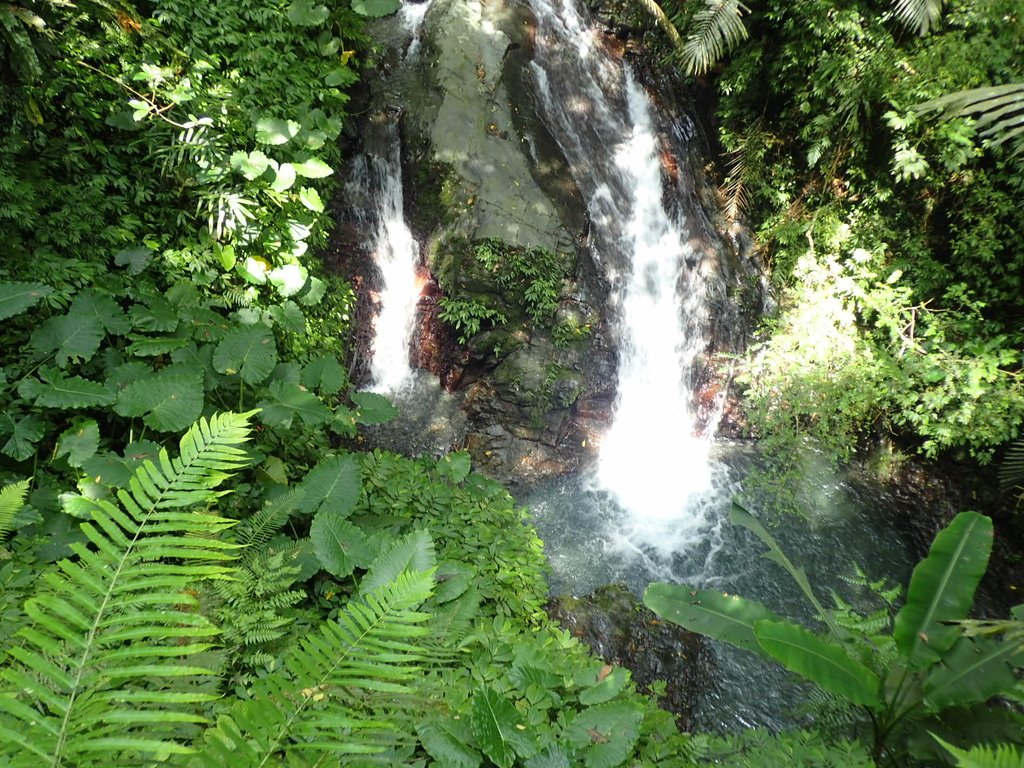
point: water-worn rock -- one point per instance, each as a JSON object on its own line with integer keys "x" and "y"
{"x": 623, "y": 632}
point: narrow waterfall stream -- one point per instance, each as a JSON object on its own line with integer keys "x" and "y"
{"x": 396, "y": 253}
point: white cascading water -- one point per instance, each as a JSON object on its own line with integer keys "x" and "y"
{"x": 651, "y": 461}
{"x": 396, "y": 253}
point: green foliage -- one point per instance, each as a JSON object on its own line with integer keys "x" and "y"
{"x": 1001, "y": 756}
{"x": 12, "y": 499}
{"x": 103, "y": 668}
{"x": 888, "y": 234}
{"x": 529, "y": 282}
{"x": 906, "y": 679}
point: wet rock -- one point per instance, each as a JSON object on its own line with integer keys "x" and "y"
{"x": 623, "y": 632}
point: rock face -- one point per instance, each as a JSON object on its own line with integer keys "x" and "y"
{"x": 482, "y": 174}
{"x": 623, "y": 632}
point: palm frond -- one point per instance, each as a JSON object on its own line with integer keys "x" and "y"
{"x": 100, "y": 674}
{"x": 328, "y": 695}
{"x": 716, "y": 27}
{"x": 998, "y": 109}
{"x": 12, "y": 499}
{"x": 1011, "y": 470}
{"x": 734, "y": 190}
{"x": 919, "y": 16}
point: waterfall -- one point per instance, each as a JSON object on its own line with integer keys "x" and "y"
{"x": 651, "y": 461}
{"x": 396, "y": 253}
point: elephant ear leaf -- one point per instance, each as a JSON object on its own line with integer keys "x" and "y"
{"x": 942, "y": 589}
{"x": 725, "y": 617}
{"x": 819, "y": 661}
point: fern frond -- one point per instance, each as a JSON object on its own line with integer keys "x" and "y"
{"x": 12, "y": 499}
{"x": 735, "y": 188}
{"x": 919, "y": 16}
{"x": 985, "y": 755}
{"x": 322, "y": 698}
{"x": 255, "y": 531}
{"x": 99, "y": 675}
{"x": 716, "y": 27}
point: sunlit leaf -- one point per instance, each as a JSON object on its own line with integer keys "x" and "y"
{"x": 274, "y": 131}
{"x": 376, "y": 8}
{"x": 251, "y": 352}
{"x": 306, "y": 13}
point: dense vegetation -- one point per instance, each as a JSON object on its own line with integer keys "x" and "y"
{"x": 197, "y": 567}
{"x": 889, "y": 229}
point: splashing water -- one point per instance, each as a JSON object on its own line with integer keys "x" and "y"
{"x": 651, "y": 462}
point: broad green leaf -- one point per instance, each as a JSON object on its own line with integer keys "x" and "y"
{"x": 286, "y": 400}
{"x": 413, "y": 552}
{"x": 447, "y": 741}
{"x": 57, "y": 391}
{"x": 496, "y": 723}
{"x": 169, "y": 401}
{"x": 332, "y": 485}
{"x": 136, "y": 259}
{"x": 340, "y": 546}
{"x": 157, "y": 314}
{"x": 253, "y": 270}
{"x": 606, "y": 734}
{"x": 107, "y": 469}
{"x": 273, "y": 131}
{"x": 288, "y": 279}
{"x": 154, "y": 346}
{"x": 313, "y": 293}
{"x": 372, "y": 408}
{"x": 972, "y": 671}
{"x": 15, "y": 298}
{"x": 722, "y": 616}
{"x": 314, "y": 168}
{"x": 251, "y": 165}
{"x": 455, "y": 466}
{"x": 250, "y": 352}
{"x": 310, "y": 198}
{"x": 306, "y": 13}
{"x": 69, "y": 337}
{"x": 819, "y": 661}
{"x": 284, "y": 178}
{"x": 552, "y": 757}
{"x": 24, "y": 431}
{"x": 324, "y": 374}
{"x": 79, "y": 442}
{"x": 942, "y": 589}
{"x": 341, "y": 77}
{"x": 610, "y": 686}
{"x": 376, "y": 8}
{"x": 453, "y": 579}
{"x": 288, "y": 315}
{"x": 103, "y": 309}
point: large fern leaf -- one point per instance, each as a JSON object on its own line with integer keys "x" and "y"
{"x": 94, "y": 679}
{"x": 12, "y": 499}
{"x": 715, "y": 28}
{"x": 985, "y": 756}
{"x": 339, "y": 690}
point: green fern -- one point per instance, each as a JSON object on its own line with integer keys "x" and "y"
{"x": 716, "y": 27}
{"x": 985, "y": 756}
{"x": 99, "y": 675}
{"x": 12, "y": 499}
{"x": 1011, "y": 470}
{"x": 345, "y": 689}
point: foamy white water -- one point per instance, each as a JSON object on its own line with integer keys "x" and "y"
{"x": 651, "y": 461}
